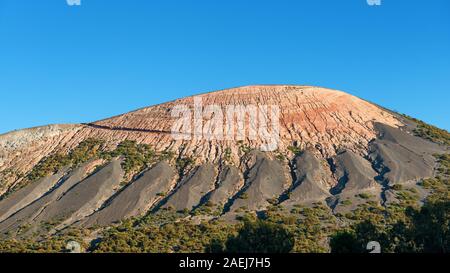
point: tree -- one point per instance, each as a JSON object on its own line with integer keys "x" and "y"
{"x": 257, "y": 237}
{"x": 431, "y": 227}
{"x": 345, "y": 242}
{"x": 426, "y": 230}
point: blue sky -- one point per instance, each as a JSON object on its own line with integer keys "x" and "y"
{"x": 63, "y": 64}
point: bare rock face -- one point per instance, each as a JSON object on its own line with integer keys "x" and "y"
{"x": 137, "y": 198}
{"x": 310, "y": 116}
{"x": 21, "y": 150}
{"x": 193, "y": 188}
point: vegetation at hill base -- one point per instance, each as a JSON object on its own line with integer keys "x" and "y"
{"x": 256, "y": 236}
{"x": 424, "y": 230}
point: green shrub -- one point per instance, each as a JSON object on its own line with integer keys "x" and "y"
{"x": 227, "y": 155}
{"x": 397, "y": 187}
{"x": 136, "y": 156}
{"x": 295, "y": 150}
{"x": 364, "y": 196}
{"x": 258, "y": 237}
{"x": 424, "y": 230}
{"x": 183, "y": 164}
{"x": 346, "y": 202}
{"x": 431, "y": 132}
{"x": 243, "y": 196}
{"x": 84, "y": 152}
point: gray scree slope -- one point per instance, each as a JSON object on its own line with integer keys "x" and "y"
{"x": 137, "y": 198}
{"x": 354, "y": 173}
{"x": 27, "y": 195}
{"x": 265, "y": 181}
{"x": 401, "y": 157}
{"x": 193, "y": 188}
{"x": 229, "y": 184}
{"x": 28, "y": 215}
{"x": 312, "y": 180}
{"x": 355, "y": 176}
{"x": 84, "y": 198}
